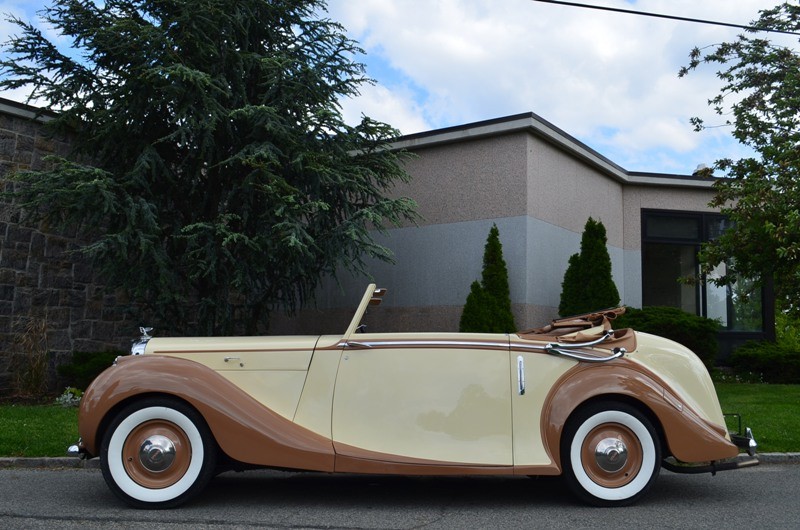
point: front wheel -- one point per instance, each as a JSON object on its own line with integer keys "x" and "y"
{"x": 610, "y": 453}
{"x": 157, "y": 453}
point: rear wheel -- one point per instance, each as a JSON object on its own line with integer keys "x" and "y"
{"x": 610, "y": 454}
{"x": 157, "y": 453}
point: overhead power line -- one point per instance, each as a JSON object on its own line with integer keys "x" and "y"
{"x": 670, "y": 17}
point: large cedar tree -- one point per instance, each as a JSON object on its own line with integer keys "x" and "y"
{"x": 213, "y": 174}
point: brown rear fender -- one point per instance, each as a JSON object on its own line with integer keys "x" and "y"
{"x": 244, "y": 429}
{"x": 689, "y": 438}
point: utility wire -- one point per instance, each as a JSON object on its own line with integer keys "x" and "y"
{"x": 670, "y": 17}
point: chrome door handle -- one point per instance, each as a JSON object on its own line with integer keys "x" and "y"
{"x": 521, "y": 375}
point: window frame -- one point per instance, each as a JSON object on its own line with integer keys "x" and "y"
{"x": 705, "y": 222}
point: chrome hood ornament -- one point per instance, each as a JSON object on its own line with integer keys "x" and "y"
{"x": 138, "y": 346}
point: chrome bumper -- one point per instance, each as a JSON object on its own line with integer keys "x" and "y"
{"x": 739, "y": 462}
{"x": 745, "y": 441}
{"x": 77, "y": 450}
{"x": 742, "y": 441}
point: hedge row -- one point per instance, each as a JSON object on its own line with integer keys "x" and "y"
{"x": 775, "y": 363}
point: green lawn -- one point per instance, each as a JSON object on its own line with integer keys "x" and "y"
{"x": 37, "y": 430}
{"x": 772, "y": 411}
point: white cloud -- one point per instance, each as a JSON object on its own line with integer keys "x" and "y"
{"x": 396, "y": 107}
{"x": 11, "y": 8}
{"x": 609, "y": 79}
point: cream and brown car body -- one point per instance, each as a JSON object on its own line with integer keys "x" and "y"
{"x": 407, "y": 403}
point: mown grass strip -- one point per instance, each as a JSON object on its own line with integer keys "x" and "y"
{"x": 772, "y": 411}
{"x": 37, "y": 430}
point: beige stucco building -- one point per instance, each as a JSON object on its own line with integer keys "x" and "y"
{"x": 539, "y": 185}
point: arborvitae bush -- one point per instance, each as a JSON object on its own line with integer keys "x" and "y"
{"x": 476, "y": 310}
{"x": 697, "y": 333}
{"x": 588, "y": 285}
{"x": 488, "y": 306}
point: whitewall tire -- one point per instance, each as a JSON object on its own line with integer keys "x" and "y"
{"x": 611, "y": 454}
{"x": 157, "y": 453}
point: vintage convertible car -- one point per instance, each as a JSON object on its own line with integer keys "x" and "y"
{"x": 606, "y": 409}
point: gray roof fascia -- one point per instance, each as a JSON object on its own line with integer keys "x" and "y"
{"x": 534, "y": 124}
{"x": 665, "y": 179}
{"x": 21, "y": 110}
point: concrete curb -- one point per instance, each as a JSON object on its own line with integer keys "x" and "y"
{"x": 779, "y": 458}
{"x": 66, "y": 462}
{"x": 62, "y": 462}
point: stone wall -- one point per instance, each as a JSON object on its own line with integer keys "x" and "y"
{"x": 49, "y": 300}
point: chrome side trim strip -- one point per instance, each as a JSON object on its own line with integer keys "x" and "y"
{"x": 357, "y": 345}
{"x": 553, "y": 348}
{"x": 422, "y": 343}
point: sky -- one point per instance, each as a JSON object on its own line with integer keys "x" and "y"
{"x": 608, "y": 79}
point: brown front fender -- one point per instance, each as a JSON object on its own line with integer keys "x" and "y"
{"x": 244, "y": 429}
{"x": 689, "y": 438}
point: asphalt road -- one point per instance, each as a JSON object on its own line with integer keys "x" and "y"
{"x": 765, "y": 496}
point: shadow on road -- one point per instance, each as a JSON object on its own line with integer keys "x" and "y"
{"x": 319, "y": 489}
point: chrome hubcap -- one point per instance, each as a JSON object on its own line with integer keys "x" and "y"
{"x": 157, "y": 453}
{"x": 611, "y": 454}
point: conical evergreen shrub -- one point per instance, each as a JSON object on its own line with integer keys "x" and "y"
{"x": 488, "y": 306}
{"x": 588, "y": 284}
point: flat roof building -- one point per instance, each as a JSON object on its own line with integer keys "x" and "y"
{"x": 539, "y": 185}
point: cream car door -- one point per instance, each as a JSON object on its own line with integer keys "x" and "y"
{"x": 443, "y": 399}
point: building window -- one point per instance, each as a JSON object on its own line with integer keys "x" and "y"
{"x": 670, "y": 243}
